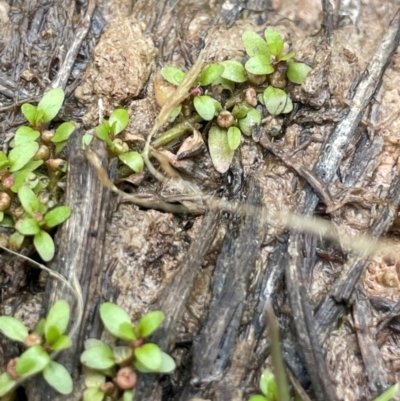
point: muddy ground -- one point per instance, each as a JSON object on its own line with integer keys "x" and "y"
{"x": 147, "y": 252}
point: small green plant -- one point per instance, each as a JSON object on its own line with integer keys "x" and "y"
{"x": 228, "y": 93}
{"x": 268, "y": 388}
{"x": 121, "y": 363}
{"x": 108, "y": 132}
{"x": 48, "y": 337}
{"x": 30, "y": 175}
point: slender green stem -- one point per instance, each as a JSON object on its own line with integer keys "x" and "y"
{"x": 176, "y": 131}
{"x": 276, "y": 355}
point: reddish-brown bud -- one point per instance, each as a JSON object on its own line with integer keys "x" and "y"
{"x": 12, "y": 363}
{"x": 5, "y": 201}
{"x": 107, "y": 387}
{"x": 250, "y": 96}
{"x": 126, "y": 378}
{"x": 32, "y": 340}
{"x": 8, "y": 182}
{"x": 47, "y": 136}
{"x": 56, "y": 164}
{"x": 42, "y": 153}
{"x": 225, "y": 119}
{"x": 256, "y": 80}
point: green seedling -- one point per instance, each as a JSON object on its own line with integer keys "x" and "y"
{"x": 37, "y": 220}
{"x": 108, "y": 132}
{"x": 262, "y": 81}
{"x": 46, "y": 110}
{"x": 30, "y": 176}
{"x": 268, "y": 388}
{"x": 47, "y": 338}
{"x": 121, "y": 363}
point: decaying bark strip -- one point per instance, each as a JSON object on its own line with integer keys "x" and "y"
{"x": 371, "y": 354}
{"x": 326, "y": 167}
{"x": 335, "y": 303}
{"x": 215, "y": 342}
{"x": 173, "y": 301}
{"x": 80, "y": 253}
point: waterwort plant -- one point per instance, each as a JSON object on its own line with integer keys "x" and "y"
{"x": 30, "y": 176}
{"x": 113, "y": 370}
{"x": 48, "y": 337}
{"x": 234, "y": 96}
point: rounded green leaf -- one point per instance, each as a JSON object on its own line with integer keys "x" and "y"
{"x": 289, "y": 106}
{"x": 149, "y": 355}
{"x": 57, "y": 216}
{"x": 220, "y": 152}
{"x": 113, "y": 317}
{"x": 149, "y": 323}
{"x": 167, "y": 365}
{"x": 58, "y": 377}
{"x": 62, "y": 342}
{"x": 93, "y": 378}
{"x": 259, "y": 65}
{"x": 128, "y": 395}
{"x": 275, "y": 100}
{"x": 240, "y": 110}
{"x": 122, "y": 354}
{"x": 28, "y": 199}
{"x": 13, "y": 328}
{"x": 27, "y": 226}
{"x": 7, "y": 221}
{"x": 99, "y": 357}
{"x": 204, "y": 105}
{"x": 250, "y": 122}
{"x": 255, "y": 44}
{"x": 25, "y": 134}
{"x": 210, "y": 73}
{"x": 274, "y": 40}
{"x": 297, "y": 72}
{"x": 234, "y": 137}
{"x": 93, "y": 394}
{"x": 287, "y": 56}
{"x": 63, "y": 132}
{"x": 30, "y": 113}
{"x": 103, "y": 133}
{"x": 6, "y": 384}
{"x": 15, "y": 240}
{"x": 268, "y": 384}
{"x": 258, "y": 398}
{"x": 44, "y": 245}
{"x": 3, "y": 159}
{"x": 225, "y": 83}
{"x": 234, "y": 71}
{"x": 58, "y": 317}
{"x": 21, "y": 155}
{"x": 24, "y": 177}
{"x": 51, "y": 103}
{"x": 173, "y": 75}
{"x": 133, "y": 160}
{"x": 32, "y": 361}
{"x": 119, "y": 120}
